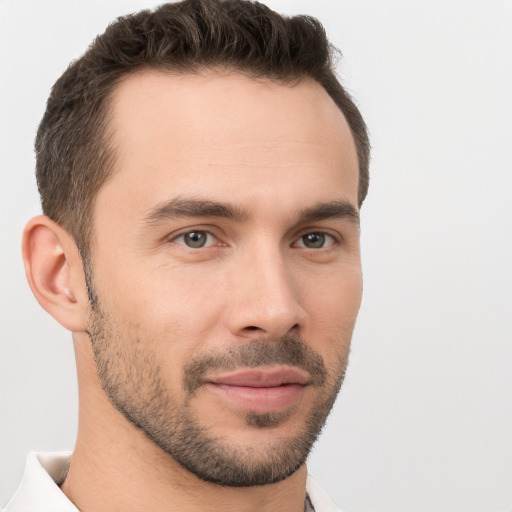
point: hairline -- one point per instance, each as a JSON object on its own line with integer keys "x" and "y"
{"x": 106, "y": 135}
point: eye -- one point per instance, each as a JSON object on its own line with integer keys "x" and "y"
{"x": 315, "y": 240}
{"x": 196, "y": 239}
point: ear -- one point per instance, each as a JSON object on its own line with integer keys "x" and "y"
{"x": 54, "y": 271}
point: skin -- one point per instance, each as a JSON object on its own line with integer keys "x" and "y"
{"x": 268, "y": 151}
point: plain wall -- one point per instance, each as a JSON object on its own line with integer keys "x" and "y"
{"x": 424, "y": 421}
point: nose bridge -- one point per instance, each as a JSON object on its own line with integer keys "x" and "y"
{"x": 267, "y": 298}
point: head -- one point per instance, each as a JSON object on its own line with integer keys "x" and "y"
{"x": 208, "y": 167}
{"x": 74, "y": 152}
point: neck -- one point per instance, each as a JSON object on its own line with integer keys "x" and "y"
{"x": 116, "y": 467}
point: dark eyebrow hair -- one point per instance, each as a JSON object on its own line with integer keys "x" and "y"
{"x": 330, "y": 210}
{"x": 180, "y": 207}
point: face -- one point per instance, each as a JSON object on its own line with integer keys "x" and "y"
{"x": 225, "y": 273}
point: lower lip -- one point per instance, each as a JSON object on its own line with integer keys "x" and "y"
{"x": 261, "y": 400}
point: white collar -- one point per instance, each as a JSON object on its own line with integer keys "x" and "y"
{"x": 39, "y": 490}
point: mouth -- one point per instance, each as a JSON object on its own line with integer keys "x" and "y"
{"x": 261, "y": 390}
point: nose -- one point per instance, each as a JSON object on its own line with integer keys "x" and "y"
{"x": 265, "y": 298}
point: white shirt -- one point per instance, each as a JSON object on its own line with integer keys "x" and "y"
{"x": 39, "y": 490}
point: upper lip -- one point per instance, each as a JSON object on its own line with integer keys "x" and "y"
{"x": 262, "y": 377}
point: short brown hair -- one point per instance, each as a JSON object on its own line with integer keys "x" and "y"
{"x": 74, "y": 155}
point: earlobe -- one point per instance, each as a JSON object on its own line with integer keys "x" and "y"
{"x": 54, "y": 272}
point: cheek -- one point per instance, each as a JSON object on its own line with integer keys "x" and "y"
{"x": 184, "y": 298}
{"x": 175, "y": 309}
{"x": 337, "y": 298}
{"x": 332, "y": 314}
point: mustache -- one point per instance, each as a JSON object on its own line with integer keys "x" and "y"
{"x": 288, "y": 350}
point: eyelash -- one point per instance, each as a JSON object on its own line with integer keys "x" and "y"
{"x": 328, "y": 238}
{"x": 197, "y": 231}
{"x": 321, "y": 234}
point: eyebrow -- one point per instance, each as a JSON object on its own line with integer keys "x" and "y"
{"x": 330, "y": 210}
{"x": 181, "y": 207}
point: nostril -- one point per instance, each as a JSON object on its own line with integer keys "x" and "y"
{"x": 255, "y": 328}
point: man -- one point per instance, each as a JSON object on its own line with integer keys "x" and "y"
{"x": 201, "y": 171}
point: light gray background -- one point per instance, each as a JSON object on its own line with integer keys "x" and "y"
{"x": 424, "y": 422}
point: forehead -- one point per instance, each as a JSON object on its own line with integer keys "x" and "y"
{"x": 221, "y": 131}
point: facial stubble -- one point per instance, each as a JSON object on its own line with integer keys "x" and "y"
{"x": 132, "y": 379}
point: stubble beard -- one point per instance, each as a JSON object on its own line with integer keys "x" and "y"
{"x": 131, "y": 377}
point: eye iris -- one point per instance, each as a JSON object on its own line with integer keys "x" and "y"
{"x": 314, "y": 240}
{"x": 195, "y": 239}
